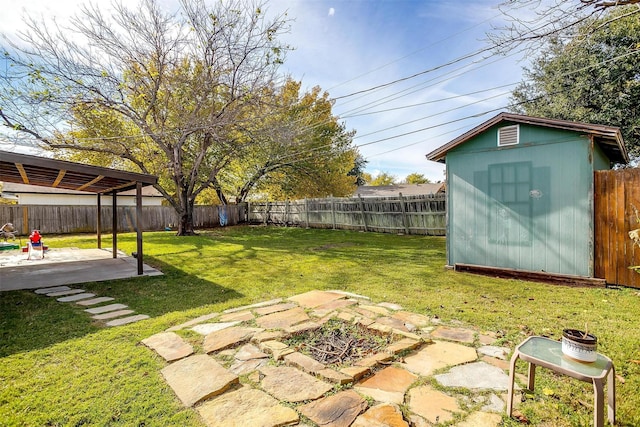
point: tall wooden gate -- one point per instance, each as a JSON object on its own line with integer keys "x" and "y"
{"x": 616, "y": 213}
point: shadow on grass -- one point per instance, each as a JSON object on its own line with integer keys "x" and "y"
{"x": 29, "y": 321}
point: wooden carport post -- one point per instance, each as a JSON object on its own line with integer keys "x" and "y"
{"x": 139, "y": 226}
{"x": 114, "y": 223}
{"x": 99, "y": 221}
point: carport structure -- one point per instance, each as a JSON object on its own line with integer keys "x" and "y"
{"x": 46, "y": 172}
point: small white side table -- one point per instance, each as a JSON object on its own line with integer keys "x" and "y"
{"x": 540, "y": 351}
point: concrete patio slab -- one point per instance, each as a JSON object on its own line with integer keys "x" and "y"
{"x": 66, "y": 267}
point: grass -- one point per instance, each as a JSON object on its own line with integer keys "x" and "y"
{"x": 58, "y": 368}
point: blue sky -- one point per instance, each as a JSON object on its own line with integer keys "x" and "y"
{"x": 346, "y": 46}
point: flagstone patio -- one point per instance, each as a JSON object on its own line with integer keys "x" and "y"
{"x": 244, "y": 374}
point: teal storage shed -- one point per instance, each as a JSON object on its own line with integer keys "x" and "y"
{"x": 520, "y": 194}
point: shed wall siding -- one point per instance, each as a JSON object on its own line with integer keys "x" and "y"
{"x": 528, "y": 206}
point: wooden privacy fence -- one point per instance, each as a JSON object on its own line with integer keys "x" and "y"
{"x": 616, "y": 210}
{"x": 50, "y": 219}
{"x": 401, "y": 214}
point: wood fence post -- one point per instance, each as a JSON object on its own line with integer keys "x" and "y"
{"x": 333, "y": 213}
{"x": 266, "y": 213}
{"x": 25, "y": 220}
{"x": 404, "y": 214}
{"x": 364, "y": 218}
{"x": 306, "y": 210}
{"x": 286, "y": 213}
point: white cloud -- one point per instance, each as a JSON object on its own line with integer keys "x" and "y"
{"x": 332, "y": 11}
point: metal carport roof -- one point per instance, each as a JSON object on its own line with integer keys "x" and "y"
{"x": 46, "y": 172}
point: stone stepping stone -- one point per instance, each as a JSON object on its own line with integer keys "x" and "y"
{"x": 239, "y": 316}
{"x": 390, "y": 306}
{"x": 169, "y": 345}
{"x": 372, "y": 361}
{"x": 292, "y": 385}
{"x": 195, "y": 321}
{"x": 126, "y": 320}
{"x": 276, "y": 349}
{"x": 267, "y": 336}
{"x": 417, "y": 320}
{"x": 246, "y": 407}
{"x": 495, "y": 404}
{"x": 405, "y": 344}
{"x": 228, "y": 337}
{"x": 94, "y": 301}
{"x": 334, "y": 376}
{"x": 42, "y": 291}
{"x": 112, "y": 314}
{"x": 454, "y": 334}
{"x": 383, "y": 415}
{"x": 388, "y": 385}
{"x": 207, "y": 328}
{"x": 481, "y": 419}
{"x": 197, "y": 378}
{"x": 494, "y": 351}
{"x": 475, "y": 376}
{"x": 340, "y": 409}
{"x": 274, "y": 308}
{"x": 433, "y": 405}
{"x": 248, "y": 358}
{"x": 375, "y": 309}
{"x": 304, "y": 362}
{"x": 283, "y": 319}
{"x": 313, "y": 299}
{"x": 438, "y": 355}
{"x": 76, "y": 297}
{"x": 250, "y": 352}
{"x": 106, "y": 308}
{"x": 68, "y": 292}
{"x": 395, "y": 323}
{"x": 356, "y": 372}
{"x": 302, "y": 327}
{"x": 257, "y": 305}
{"x": 327, "y": 308}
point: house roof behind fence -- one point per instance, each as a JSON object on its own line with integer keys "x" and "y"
{"x": 405, "y": 189}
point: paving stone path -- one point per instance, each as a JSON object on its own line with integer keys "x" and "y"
{"x": 112, "y": 314}
{"x": 242, "y": 373}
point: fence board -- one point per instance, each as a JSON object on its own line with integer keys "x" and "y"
{"x": 402, "y": 214}
{"x": 51, "y": 219}
{"x": 617, "y": 198}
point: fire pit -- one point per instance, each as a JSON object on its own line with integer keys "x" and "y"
{"x": 338, "y": 342}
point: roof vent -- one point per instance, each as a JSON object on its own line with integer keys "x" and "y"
{"x": 508, "y": 135}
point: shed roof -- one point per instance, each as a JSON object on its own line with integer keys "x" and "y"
{"x": 36, "y": 170}
{"x": 609, "y": 138}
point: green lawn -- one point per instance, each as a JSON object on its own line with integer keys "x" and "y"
{"x": 57, "y": 367}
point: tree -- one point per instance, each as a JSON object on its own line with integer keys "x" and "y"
{"x": 532, "y": 22}
{"x": 295, "y": 148}
{"x": 166, "y": 94}
{"x": 591, "y": 78}
{"x": 383, "y": 178}
{"x": 416, "y": 178}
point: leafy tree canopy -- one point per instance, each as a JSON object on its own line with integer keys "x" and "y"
{"x": 191, "y": 97}
{"x": 383, "y": 178}
{"x": 416, "y": 178}
{"x": 593, "y": 77}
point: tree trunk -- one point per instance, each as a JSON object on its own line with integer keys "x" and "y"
{"x": 185, "y": 224}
